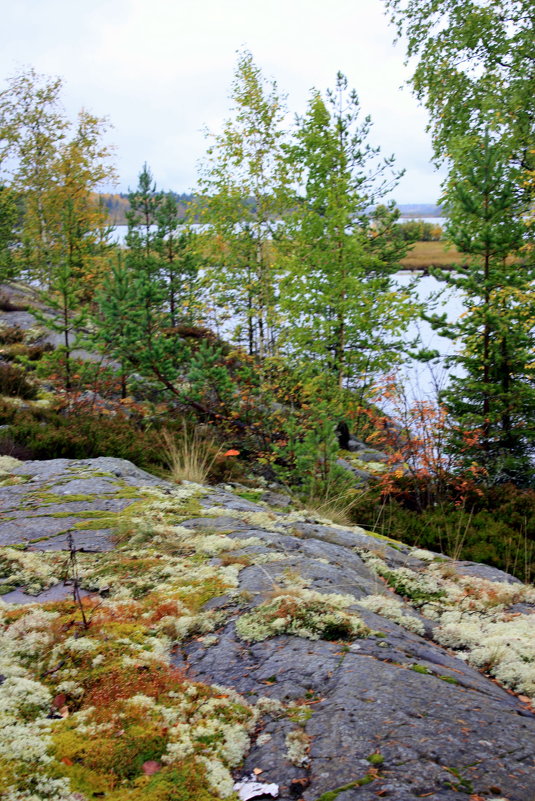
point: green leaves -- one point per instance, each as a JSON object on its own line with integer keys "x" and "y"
{"x": 54, "y": 175}
{"x": 337, "y": 294}
{"x": 246, "y": 181}
{"x": 474, "y": 68}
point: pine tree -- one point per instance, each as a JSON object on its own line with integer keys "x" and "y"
{"x": 136, "y": 318}
{"x": 144, "y": 204}
{"x": 62, "y": 297}
{"x": 175, "y": 243}
{"x": 493, "y": 397}
{"x": 116, "y": 303}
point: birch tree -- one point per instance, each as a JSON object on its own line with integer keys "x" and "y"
{"x": 244, "y": 182}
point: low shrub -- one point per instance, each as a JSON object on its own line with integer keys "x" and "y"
{"x": 10, "y": 334}
{"x": 48, "y": 434}
{"x": 84, "y": 432}
{"x": 495, "y": 526}
{"x": 14, "y": 384}
{"x": 9, "y": 305}
{"x": 25, "y": 354}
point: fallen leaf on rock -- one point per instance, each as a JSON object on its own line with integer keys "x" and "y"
{"x": 250, "y": 788}
{"x": 257, "y": 771}
{"x": 151, "y": 767}
{"x": 59, "y": 700}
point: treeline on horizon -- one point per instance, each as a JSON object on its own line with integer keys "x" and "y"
{"x": 118, "y": 206}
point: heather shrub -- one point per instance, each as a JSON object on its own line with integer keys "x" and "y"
{"x": 495, "y": 526}
{"x": 84, "y": 432}
{"x": 10, "y": 334}
{"x": 14, "y": 384}
{"x": 51, "y": 435}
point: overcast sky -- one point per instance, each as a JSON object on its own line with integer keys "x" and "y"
{"x": 161, "y": 70}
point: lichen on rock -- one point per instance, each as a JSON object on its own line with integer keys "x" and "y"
{"x": 220, "y": 637}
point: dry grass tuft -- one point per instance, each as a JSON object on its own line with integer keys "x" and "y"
{"x": 192, "y": 457}
{"x": 337, "y": 508}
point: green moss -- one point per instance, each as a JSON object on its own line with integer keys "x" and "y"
{"x": 331, "y": 795}
{"x": 55, "y": 515}
{"x": 127, "y": 492}
{"x": 384, "y": 538}
{"x": 420, "y": 669}
{"x": 250, "y": 495}
{"x": 48, "y": 498}
{"x": 95, "y": 514}
{"x": 184, "y": 783}
{"x": 449, "y": 679}
{"x": 96, "y": 525}
{"x": 299, "y": 714}
{"x": 10, "y": 481}
{"x": 375, "y": 759}
{"x": 48, "y": 536}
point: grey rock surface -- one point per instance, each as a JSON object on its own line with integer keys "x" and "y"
{"x": 34, "y": 329}
{"x": 60, "y": 495}
{"x": 485, "y": 572}
{"x": 436, "y": 739}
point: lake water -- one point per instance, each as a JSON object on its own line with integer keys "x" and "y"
{"x": 423, "y": 381}
{"x": 118, "y": 234}
{"x": 420, "y": 380}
